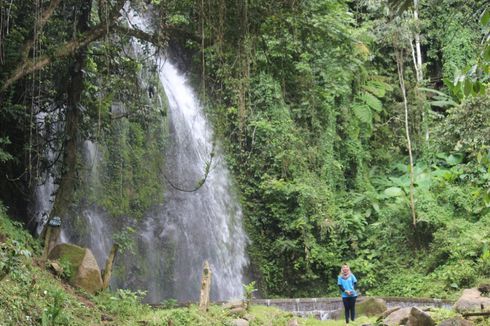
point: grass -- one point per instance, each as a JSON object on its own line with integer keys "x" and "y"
{"x": 31, "y": 295}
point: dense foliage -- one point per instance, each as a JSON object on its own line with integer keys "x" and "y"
{"x": 307, "y": 98}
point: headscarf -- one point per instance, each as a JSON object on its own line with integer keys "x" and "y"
{"x": 345, "y": 275}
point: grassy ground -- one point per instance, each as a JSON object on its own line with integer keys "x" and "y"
{"x": 258, "y": 315}
{"x": 30, "y": 294}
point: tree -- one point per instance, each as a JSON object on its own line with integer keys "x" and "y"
{"x": 48, "y": 75}
{"x": 109, "y": 23}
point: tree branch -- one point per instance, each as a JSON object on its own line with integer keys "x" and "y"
{"x": 27, "y": 66}
{"x": 46, "y": 14}
{"x": 155, "y": 39}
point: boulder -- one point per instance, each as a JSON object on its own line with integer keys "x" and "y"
{"x": 238, "y": 311}
{"x": 364, "y": 307}
{"x": 419, "y": 318}
{"x": 233, "y": 304}
{"x": 472, "y": 300}
{"x": 239, "y": 322}
{"x": 388, "y": 312}
{"x": 370, "y": 307}
{"x": 336, "y": 314}
{"x": 398, "y": 317}
{"x": 56, "y": 267}
{"x": 455, "y": 321}
{"x": 293, "y": 322}
{"x": 85, "y": 272}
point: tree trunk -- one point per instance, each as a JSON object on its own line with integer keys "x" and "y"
{"x": 418, "y": 63}
{"x": 399, "y": 64}
{"x": 106, "y": 277}
{"x": 69, "y": 177}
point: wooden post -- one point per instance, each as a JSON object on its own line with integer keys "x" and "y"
{"x": 53, "y": 239}
{"x": 47, "y": 236}
{"x": 106, "y": 277}
{"x": 205, "y": 287}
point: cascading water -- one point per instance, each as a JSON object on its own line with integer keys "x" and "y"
{"x": 174, "y": 238}
{"x": 193, "y": 226}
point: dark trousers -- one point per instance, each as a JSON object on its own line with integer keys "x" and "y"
{"x": 350, "y": 308}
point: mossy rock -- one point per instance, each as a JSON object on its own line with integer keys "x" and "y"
{"x": 71, "y": 253}
{"x": 371, "y": 307}
{"x": 85, "y": 272}
{"x": 364, "y": 307}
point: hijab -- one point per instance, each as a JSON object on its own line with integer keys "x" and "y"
{"x": 345, "y": 275}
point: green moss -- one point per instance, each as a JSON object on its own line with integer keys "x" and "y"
{"x": 71, "y": 253}
{"x": 127, "y": 179}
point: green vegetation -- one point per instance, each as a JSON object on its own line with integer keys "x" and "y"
{"x": 31, "y": 295}
{"x": 356, "y": 131}
{"x": 307, "y": 96}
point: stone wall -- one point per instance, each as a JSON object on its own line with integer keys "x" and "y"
{"x": 322, "y": 307}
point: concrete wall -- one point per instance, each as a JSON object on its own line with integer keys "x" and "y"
{"x": 322, "y": 307}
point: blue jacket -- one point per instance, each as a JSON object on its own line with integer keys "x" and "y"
{"x": 348, "y": 284}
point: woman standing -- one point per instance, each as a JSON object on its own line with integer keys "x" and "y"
{"x": 347, "y": 284}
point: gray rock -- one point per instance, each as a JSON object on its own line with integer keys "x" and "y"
{"x": 419, "y": 318}
{"x": 484, "y": 288}
{"x": 398, "y": 317}
{"x": 472, "y": 300}
{"x": 239, "y": 322}
{"x": 388, "y": 312}
{"x": 238, "y": 311}
{"x": 293, "y": 322}
{"x": 233, "y": 304}
{"x": 85, "y": 271}
{"x": 337, "y": 314}
{"x": 370, "y": 307}
{"x": 364, "y": 307}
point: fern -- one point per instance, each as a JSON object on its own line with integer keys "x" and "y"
{"x": 372, "y": 101}
{"x": 363, "y": 113}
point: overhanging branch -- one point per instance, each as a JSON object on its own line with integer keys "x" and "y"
{"x": 45, "y": 15}
{"x": 27, "y": 66}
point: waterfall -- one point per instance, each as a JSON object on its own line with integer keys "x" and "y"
{"x": 191, "y": 227}
{"x": 175, "y": 237}
{"x": 48, "y": 124}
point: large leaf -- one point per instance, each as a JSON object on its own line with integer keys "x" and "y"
{"x": 393, "y": 192}
{"x": 468, "y": 87}
{"x": 423, "y": 180}
{"x": 363, "y": 113}
{"x": 377, "y": 87}
{"x": 486, "y": 54}
{"x": 441, "y": 99}
{"x": 373, "y": 102}
{"x": 443, "y": 104}
{"x": 454, "y": 159}
{"x": 379, "y": 92}
{"x": 430, "y": 90}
